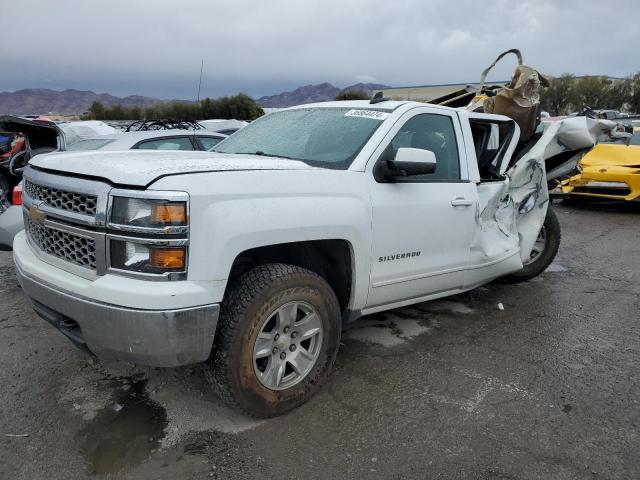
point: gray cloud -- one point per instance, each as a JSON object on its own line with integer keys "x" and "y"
{"x": 154, "y": 47}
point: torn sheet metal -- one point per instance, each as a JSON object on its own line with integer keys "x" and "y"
{"x": 520, "y": 99}
{"x": 512, "y": 212}
{"x": 528, "y": 179}
{"x": 581, "y": 136}
{"x": 496, "y": 218}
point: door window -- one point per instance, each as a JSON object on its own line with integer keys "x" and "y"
{"x": 179, "y": 143}
{"x": 430, "y": 132}
{"x": 209, "y": 142}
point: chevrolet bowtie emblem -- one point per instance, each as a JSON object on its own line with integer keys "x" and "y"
{"x": 36, "y": 214}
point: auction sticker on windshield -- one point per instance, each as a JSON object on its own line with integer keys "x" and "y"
{"x": 367, "y": 114}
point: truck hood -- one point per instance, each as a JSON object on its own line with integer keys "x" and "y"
{"x": 142, "y": 167}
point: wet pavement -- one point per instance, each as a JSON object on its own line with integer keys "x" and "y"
{"x": 546, "y": 387}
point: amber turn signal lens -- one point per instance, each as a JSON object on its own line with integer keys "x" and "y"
{"x": 169, "y": 214}
{"x": 169, "y": 258}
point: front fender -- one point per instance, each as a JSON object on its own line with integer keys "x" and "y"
{"x": 232, "y": 212}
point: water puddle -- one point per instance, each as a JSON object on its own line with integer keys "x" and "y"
{"x": 126, "y": 432}
{"x": 556, "y": 268}
{"x": 388, "y": 329}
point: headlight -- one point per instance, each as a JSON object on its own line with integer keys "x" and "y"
{"x": 154, "y": 259}
{"x": 148, "y": 234}
{"x": 148, "y": 213}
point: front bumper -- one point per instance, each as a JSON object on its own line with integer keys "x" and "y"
{"x": 592, "y": 182}
{"x": 160, "y": 338}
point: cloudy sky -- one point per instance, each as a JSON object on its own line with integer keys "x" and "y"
{"x": 154, "y": 47}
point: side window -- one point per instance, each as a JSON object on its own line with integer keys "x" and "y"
{"x": 431, "y": 132}
{"x": 209, "y": 142}
{"x": 180, "y": 143}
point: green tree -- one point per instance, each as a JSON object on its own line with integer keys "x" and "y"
{"x": 593, "y": 92}
{"x": 556, "y": 99}
{"x": 240, "y": 107}
{"x": 96, "y": 111}
{"x": 136, "y": 113}
{"x": 634, "y": 95}
{"x": 352, "y": 95}
{"x": 620, "y": 93}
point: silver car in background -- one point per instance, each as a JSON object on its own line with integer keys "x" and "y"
{"x": 167, "y": 140}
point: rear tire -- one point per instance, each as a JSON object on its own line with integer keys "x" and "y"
{"x": 260, "y": 361}
{"x": 540, "y": 260}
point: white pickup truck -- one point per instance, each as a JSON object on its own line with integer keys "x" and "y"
{"x": 251, "y": 257}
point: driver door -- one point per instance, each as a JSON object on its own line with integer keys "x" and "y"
{"x": 422, "y": 225}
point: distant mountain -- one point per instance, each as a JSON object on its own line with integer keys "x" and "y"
{"x": 322, "y": 92}
{"x": 368, "y": 88}
{"x": 67, "y": 102}
{"x": 307, "y": 94}
{"x": 36, "y": 101}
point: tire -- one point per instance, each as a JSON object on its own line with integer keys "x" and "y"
{"x": 539, "y": 261}
{"x": 262, "y": 303}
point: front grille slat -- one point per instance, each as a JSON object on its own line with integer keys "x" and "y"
{"x": 81, "y": 203}
{"x": 64, "y": 245}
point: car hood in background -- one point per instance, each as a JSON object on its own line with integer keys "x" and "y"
{"x": 610, "y": 154}
{"x": 142, "y": 167}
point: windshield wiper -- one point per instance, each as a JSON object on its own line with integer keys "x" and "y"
{"x": 261, "y": 154}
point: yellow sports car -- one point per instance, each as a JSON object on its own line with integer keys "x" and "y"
{"x": 609, "y": 171}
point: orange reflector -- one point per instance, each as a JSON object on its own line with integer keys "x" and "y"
{"x": 167, "y": 257}
{"x": 16, "y": 198}
{"x": 169, "y": 214}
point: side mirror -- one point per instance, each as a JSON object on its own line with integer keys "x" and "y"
{"x": 407, "y": 162}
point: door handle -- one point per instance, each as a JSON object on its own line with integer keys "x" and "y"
{"x": 461, "y": 202}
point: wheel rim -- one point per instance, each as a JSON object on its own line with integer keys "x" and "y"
{"x": 538, "y": 247}
{"x": 288, "y": 345}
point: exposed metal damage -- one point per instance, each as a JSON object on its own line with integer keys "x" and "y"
{"x": 513, "y": 210}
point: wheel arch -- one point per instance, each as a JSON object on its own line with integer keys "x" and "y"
{"x": 332, "y": 259}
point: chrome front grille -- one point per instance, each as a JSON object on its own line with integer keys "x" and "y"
{"x": 64, "y": 245}
{"x": 67, "y": 224}
{"x": 81, "y": 203}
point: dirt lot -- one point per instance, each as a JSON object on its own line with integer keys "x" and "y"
{"x": 547, "y": 388}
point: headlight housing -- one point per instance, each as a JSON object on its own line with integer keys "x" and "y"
{"x": 148, "y": 213}
{"x": 149, "y": 234}
{"x": 145, "y": 258}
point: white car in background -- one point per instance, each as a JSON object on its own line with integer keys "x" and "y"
{"x": 167, "y": 140}
{"x": 223, "y": 126}
{"x": 188, "y": 140}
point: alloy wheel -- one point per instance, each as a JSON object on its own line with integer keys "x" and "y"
{"x": 288, "y": 345}
{"x": 538, "y": 247}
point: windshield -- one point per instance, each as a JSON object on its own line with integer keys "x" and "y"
{"x": 89, "y": 144}
{"x": 322, "y": 137}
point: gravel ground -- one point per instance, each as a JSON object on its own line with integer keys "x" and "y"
{"x": 546, "y": 388}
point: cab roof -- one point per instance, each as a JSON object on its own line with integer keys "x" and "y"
{"x": 386, "y": 105}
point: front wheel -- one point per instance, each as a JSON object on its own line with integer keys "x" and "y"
{"x": 277, "y": 339}
{"x": 544, "y": 250}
